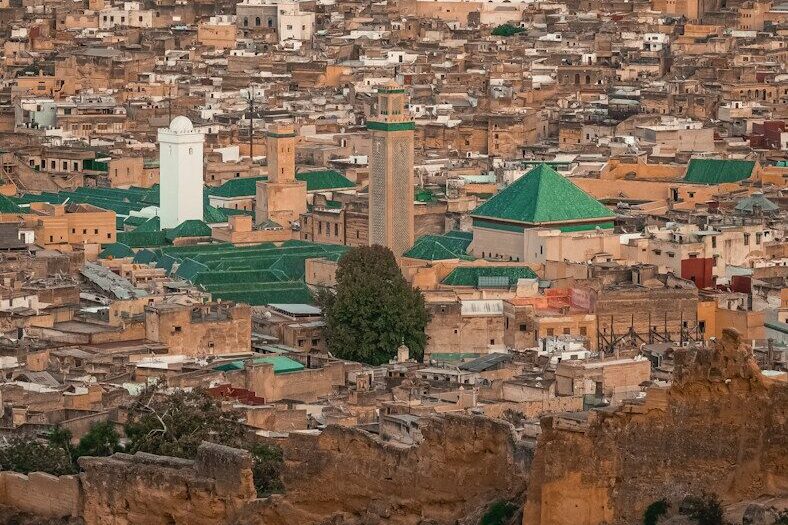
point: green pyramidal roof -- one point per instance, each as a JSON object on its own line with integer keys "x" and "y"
{"x": 542, "y": 196}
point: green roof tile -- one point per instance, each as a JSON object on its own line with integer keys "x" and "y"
{"x": 718, "y": 171}
{"x": 470, "y": 275}
{"x": 116, "y": 251}
{"x": 9, "y": 206}
{"x": 441, "y": 247}
{"x": 282, "y": 364}
{"x": 190, "y": 228}
{"x": 542, "y": 196}
{"x": 243, "y": 187}
{"x": 324, "y": 180}
{"x": 151, "y": 225}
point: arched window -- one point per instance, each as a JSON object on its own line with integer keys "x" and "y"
{"x": 257, "y": 21}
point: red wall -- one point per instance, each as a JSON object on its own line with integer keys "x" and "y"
{"x": 699, "y": 271}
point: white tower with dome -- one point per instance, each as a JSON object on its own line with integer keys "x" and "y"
{"x": 180, "y": 173}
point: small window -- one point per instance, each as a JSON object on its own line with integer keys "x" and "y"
{"x": 567, "y": 331}
{"x": 176, "y": 329}
{"x": 550, "y": 332}
{"x": 523, "y": 327}
{"x": 583, "y": 331}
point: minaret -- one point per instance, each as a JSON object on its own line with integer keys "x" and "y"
{"x": 180, "y": 173}
{"x": 281, "y": 198}
{"x": 391, "y": 172}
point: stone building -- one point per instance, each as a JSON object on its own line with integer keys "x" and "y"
{"x": 200, "y": 330}
{"x": 391, "y": 173}
{"x": 281, "y": 198}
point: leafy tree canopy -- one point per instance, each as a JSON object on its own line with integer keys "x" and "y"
{"x": 176, "y": 424}
{"x": 506, "y": 30}
{"x": 374, "y": 309}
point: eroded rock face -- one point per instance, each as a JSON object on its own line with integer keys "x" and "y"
{"x": 148, "y": 489}
{"x": 344, "y": 476}
{"x": 720, "y": 427}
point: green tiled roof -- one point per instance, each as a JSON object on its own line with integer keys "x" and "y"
{"x": 144, "y": 257}
{"x": 469, "y": 275}
{"x": 213, "y": 215}
{"x": 189, "y": 269}
{"x": 151, "y": 225}
{"x": 542, "y": 196}
{"x": 190, "y": 228}
{"x": 116, "y": 251}
{"x": 243, "y": 187}
{"x": 282, "y": 364}
{"x": 452, "y": 245}
{"x": 142, "y": 239}
{"x": 9, "y": 206}
{"x": 718, "y": 171}
{"x": 324, "y": 180}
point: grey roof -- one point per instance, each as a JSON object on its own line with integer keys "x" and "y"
{"x": 110, "y": 282}
{"x": 757, "y": 199}
{"x": 485, "y": 362}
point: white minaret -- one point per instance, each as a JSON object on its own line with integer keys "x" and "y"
{"x": 180, "y": 173}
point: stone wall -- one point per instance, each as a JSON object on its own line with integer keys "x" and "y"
{"x": 720, "y": 427}
{"x": 41, "y": 494}
{"x": 149, "y": 489}
{"x": 462, "y": 466}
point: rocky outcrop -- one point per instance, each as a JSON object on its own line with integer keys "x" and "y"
{"x": 346, "y": 476}
{"x": 720, "y": 427}
{"x": 341, "y": 476}
{"x": 147, "y": 489}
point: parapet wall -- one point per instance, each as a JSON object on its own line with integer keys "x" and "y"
{"x": 144, "y": 488}
{"x": 720, "y": 427}
{"x": 41, "y": 494}
{"x": 139, "y": 489}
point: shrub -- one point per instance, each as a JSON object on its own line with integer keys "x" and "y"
{"x": 655, "y": 511}
{"x": 506, "y": 30}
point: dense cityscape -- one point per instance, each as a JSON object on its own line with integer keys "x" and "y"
{"x": 408, "y": 262}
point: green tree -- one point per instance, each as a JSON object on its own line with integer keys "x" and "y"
{"x": 101, "y": 440}
{"x": 176, "y": 424}
{"x": 29, "y": 455}
{"x": 374, "y": 310}
{"x": 706, "y": 509}
{"x": 506, "y": 30}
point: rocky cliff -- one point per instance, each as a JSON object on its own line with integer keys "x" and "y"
{"x": 720, "y": 427}
{"x": 341, "y": 476}
{"x": 345, "y": 476}
{"x": 148, "y": 489}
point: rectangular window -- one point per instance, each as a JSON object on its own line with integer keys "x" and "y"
{"x": 746, "y": 239}
{"x": 523, "y": 327}
{"x": 550, "y": 332}
{"x": 583, "y": 331}
{"x": 336, "y": 230}
{"x": 567, "y": 331}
